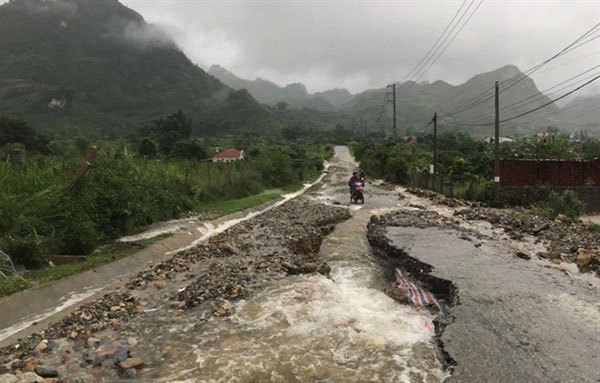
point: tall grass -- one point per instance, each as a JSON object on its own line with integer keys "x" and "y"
{"x": 41, "y": 214}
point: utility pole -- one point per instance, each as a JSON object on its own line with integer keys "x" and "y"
{"x": 393, "y": 86}
{"x": 497, "y": 138}
{"x": 435, "y": 147}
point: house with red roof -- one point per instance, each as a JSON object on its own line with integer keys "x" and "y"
{"x": 228, "y": 155}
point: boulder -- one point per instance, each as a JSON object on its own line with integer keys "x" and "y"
{"x": 46, "y": 372}
{"x": 584, "y": 257}
{"x": 41, "y": 346}
{"x": 562, "y": 218}
{"x": 92, "y": 342}
{"x": 132, "y": 342}
{"x": 130, "y": 363}
{"x": 29, "y": 364}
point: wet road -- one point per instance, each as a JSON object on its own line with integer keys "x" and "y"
{"x": 517, "y": 321}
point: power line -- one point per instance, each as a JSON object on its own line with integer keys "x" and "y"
{"x": 485, "y": 96}
{"x": 569, "y": 62}
{"x": 385, "y": 99}
{"x": 534, "y": 109}
{"x": 425, "y": 128}
{"x": 436, "y": 42}
{"x": 596, "y": 98}
{"x": 542, "y": 94}
{"x": 435, "y": 57}
{"x": 565, "y": 50}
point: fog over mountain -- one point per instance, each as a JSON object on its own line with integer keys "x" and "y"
{"x": 364, "y": 45}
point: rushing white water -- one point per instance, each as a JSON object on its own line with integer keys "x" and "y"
{"x": 168, "y": 227}
{"x": 311, "y": 328}
{"x": 317, "y": 329}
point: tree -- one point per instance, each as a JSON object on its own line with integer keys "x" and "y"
{"x": 189, "y": 149}
{"x": 14, "y": 130}
{"x": 281, "y": 106}
{"x": 172, "y": 129}
{"x": 147, "y": 148}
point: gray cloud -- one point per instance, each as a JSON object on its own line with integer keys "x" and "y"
{"x": 147, "y": 35}
{"x": 367, "y": 44}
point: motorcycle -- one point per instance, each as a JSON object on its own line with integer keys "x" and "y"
{"x": 357, "y": 195}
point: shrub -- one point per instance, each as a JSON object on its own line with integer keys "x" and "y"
{"x": 147, "y": 148}
{"x": 189, "y": 149}
{"x": 595, "y": 228}
{"x": 565, "y": 203}
{"x": 80, "y": 237}
{"x": 25, "y": 249}
{"x": 501, "y": 197}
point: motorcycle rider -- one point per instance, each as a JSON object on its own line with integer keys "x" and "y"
{"x": 352, "y": 183}
{"x": 363, "y": 177}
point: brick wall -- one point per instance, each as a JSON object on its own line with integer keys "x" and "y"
{"x": 549, "y": 173}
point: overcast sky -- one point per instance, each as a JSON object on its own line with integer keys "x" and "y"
{"x": 365, "y": 44}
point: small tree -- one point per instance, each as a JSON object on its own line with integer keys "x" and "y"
{"x": 172, "y": 129}
{"x": 147, "y": 148}
{"x": 189, "y": 149}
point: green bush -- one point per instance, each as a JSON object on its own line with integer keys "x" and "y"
{"x": 25, "y": 249}
{"x": 40, "y": 214}
{"x": 594, "y": 228}
{"x": 566, "y": 203}
{"x": 147, "y": 148}
{"x": 502, "y": 197}
{"x": 80, "y": 237}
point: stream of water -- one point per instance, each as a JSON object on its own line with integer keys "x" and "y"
{"x": 310, "y": 328}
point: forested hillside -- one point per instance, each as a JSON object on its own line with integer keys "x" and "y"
{"x": 95, "y": 64}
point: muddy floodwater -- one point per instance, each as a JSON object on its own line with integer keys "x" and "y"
{"x": 310, "y": 328}
{"x": 288, "y": 293}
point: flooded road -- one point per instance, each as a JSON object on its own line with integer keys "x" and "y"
{"x": 310, "y": 328}
{"x": 293, "y": 293}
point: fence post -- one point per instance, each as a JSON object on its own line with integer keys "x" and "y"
{"x": 90, "y": 157}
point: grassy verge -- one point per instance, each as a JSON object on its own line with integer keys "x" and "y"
{"x": 221, "y": 208}
{"x": 11, "y": 284}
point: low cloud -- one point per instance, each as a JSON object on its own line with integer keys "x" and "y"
{"x": 147, "y": 35}
{"x": 358, "y": 45}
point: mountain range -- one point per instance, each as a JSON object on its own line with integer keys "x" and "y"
{"x": 99, "y": 66}
{"x": 581, "y": 112}
{"x": 295, "y": 95}
{"x": 417, "y": 102}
